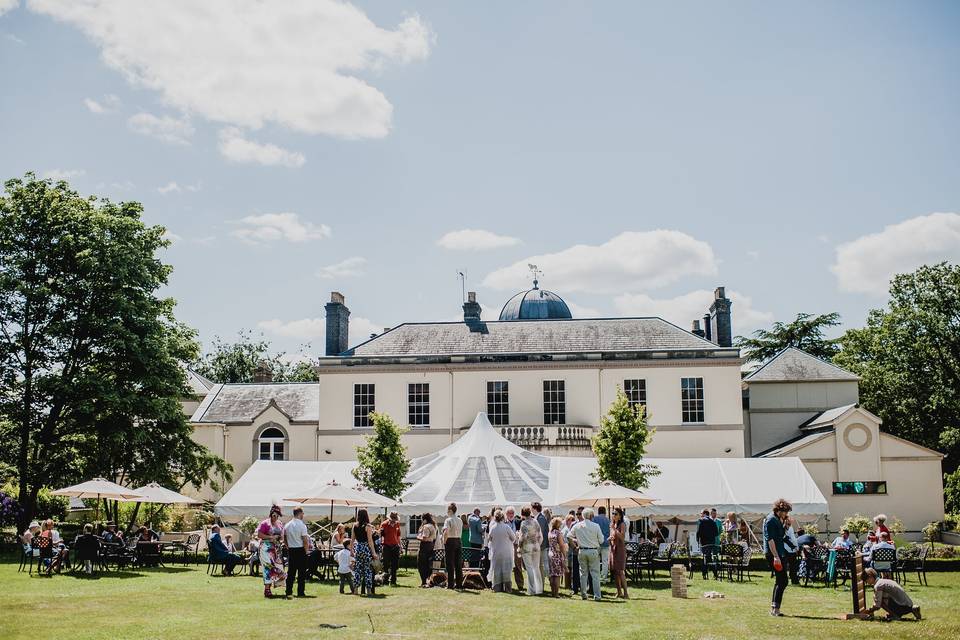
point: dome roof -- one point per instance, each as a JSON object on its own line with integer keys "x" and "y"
{"x": 535, "y": 304}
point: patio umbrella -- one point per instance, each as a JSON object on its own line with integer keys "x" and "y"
{"x": 99, "y": 489}
{"x": 613, "y": 495}
{"x": 156, "y": 494}
{"x": 336, "y": 494}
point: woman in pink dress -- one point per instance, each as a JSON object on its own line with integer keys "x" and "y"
{"x": 270, "y": 533}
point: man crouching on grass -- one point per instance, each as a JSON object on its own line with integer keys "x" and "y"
{"x": 889, "y": 596}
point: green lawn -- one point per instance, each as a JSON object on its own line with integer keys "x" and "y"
{"x": 184, "y": 602}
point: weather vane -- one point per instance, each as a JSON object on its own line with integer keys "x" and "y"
{"x": 536, "y": 272}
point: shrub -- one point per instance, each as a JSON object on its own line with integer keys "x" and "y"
{"x": 811, "y": 528}
{"x": 203, "y": 518}
{"x": 248, "y": 525}
{"x": 951, "y": 522}
{"x": 931, "y": 532}
{"x": 858, "y": 524}
{"x": 896, "y": 526}
{"x": 9, "y": 509}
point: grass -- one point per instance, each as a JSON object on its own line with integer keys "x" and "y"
{"x": 184, "y": 602}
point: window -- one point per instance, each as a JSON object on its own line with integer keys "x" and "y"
{"x": 636, "y": 392}
{"x": 859, "y": 488}
{"x": 418, "y": 398}
{"x": 554, "y": 402}
{"x": 691, "y": 399}
{"x": 363, "y": 404}
{"x": 413, "y": 525}
{"x": 271, "y": 444}
{"x": 498, "y": 402}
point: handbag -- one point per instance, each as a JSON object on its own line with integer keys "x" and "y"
{"x": 377, "y": 565}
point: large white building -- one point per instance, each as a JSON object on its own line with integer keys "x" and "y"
{"x": 545, "y": 379}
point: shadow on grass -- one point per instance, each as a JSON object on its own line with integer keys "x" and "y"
{"x": 104, "y": 575}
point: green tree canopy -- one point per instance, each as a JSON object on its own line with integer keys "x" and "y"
{"x": 908, "y": 359}
{"x": 621, "y": 444}
{"x": 230, "y": 362}
{"x": 89, "y": 354}
{"x": 804, "y": 333}
{"x": 382, "y": 461}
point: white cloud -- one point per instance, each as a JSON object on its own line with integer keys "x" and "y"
{"x": 349, "y": 268}
{"x": 315, "y": 328}
{"x": 14, "y": 39}
{"x": 8, "y": 5}
{"x": 867, "y": 264}
{"x": 300, "y": 64}
{"x": 270, "y": 227}
{"x": 475, "y": 240}
{"x": 683, "y": 309}
{"x": 174, "y": 187}
{"x": 164, "y": 128}
{"x": 236, "y": 148}
{"x": 580, "y": 311}
{"x": 62, "y": 174}
{"x": 109, "y": 104}
{"x": 630, "y": 261}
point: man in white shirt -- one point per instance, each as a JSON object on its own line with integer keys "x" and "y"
{"x": 843, "y": 540}
{"x": 295, "y": 535}
{"x": 452, "y": 547}
{"x": 589, "y": 538}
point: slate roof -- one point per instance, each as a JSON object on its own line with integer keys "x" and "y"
{"x": 241, "y": 403}
{"x": 794, "y": 365}
{"x": 827, "y": 418}
{"x": 532, "y": 337}
{"x": 198, "y": 384}
{"x": 793, "y": 444}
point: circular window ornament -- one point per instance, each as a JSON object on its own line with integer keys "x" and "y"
{"x": 857, "y": 437}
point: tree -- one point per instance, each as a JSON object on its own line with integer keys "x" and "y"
{"x": 621, "y": 444}
{"x": 231, "y": 362}
{"x": 382, "y": 461}
{"x": 89, "y": 354}
{"x": 908, "y": 359}
{"x": 804, "y": 333}
{"x": 951, "y": 492}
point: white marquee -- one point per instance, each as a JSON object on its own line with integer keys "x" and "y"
{"x": 483, "y": 469}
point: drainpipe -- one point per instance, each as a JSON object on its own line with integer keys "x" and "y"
{"x": 451, "y": 406}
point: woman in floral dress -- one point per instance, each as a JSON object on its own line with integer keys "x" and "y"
{"x": 558, "y": 555}
{"x": 270, "y": 533}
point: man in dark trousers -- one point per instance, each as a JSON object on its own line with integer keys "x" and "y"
{"x": 295, "y": 534}
{"x": 390, "y": 532}
{"x": 706, "y": 538}
{"x": 452, "y": 548}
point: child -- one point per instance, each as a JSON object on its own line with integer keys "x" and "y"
{"x": 344, "y": 560}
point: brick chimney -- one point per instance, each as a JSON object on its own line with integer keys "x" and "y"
{"x": 471, "y": 308}
{"x": 720, "y": 318}
{"x": 696, "y": 330}
{"x": 338, "y": 324}
{"x": 706, "y": 327}
{"x": 263, "y": 373}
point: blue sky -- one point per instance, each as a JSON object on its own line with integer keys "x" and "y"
{"x": 640, "y": 153}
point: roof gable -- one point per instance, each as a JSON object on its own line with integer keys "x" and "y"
{"x": 794, "y": 365}
{"x": 243, "y": 403}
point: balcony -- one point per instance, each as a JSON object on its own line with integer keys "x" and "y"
{"x": 551, "y": 439}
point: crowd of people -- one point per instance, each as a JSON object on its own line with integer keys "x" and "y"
{"x": 44, "y": 543}
{"x": 532, "y": 550}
